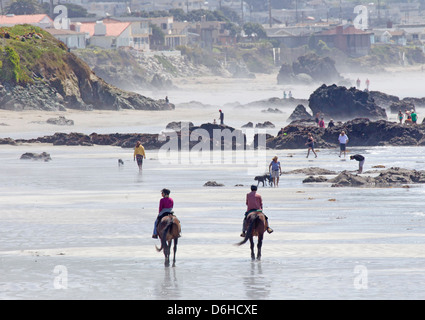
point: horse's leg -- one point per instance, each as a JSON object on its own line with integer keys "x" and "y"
{"x": 251, "y": 240}
{"x": 175, "y": 250}
{"x": 167, "y": 254}
{"x": 260, "y": 243}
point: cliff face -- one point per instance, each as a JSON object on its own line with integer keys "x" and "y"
{"x": 38, "y": 72}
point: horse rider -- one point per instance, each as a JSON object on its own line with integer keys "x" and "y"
{"x": 166, "y": 205}
{"x": 254, "y": 202}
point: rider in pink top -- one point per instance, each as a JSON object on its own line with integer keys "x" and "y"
{"x": 166, "y": 204}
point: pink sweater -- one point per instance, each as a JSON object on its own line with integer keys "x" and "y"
{"x": 166, "y": 203}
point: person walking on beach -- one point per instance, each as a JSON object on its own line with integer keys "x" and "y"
{"x": 343, "y": 139}
{"x": 139, "y": 154}
{"x": 310, "y": 144}
{"x": 254, "y": 202}
{"x": 221, "y": 116}
{"x": 360, "y": 159}
{"x": 275, "y": 171}
{"x": 166, "y": 205}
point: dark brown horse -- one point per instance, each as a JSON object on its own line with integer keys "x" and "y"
{"x": 256, "y": 222}
{"x": 169, "y": 229}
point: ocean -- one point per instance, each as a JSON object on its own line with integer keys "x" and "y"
{"x": 80, "y": 225}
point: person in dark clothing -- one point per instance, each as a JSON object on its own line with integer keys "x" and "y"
{"x": 221, "y": 117}
{"x": 360, "y": 159}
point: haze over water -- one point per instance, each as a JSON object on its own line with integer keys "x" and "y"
{"x": 80, "y": 226}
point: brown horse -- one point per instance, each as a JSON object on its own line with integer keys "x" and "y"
{"x": 169, "y": 229}
{"x": 256, "y": 222}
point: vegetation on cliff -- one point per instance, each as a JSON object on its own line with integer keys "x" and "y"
{"x": 39, "y": 72}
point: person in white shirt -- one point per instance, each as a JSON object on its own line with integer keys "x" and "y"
{"x": 343, "y": 139}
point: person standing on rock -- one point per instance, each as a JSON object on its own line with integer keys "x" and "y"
{"x": 414, "y": 116}
{"x": 275, "y": 171}
{"x": 310, "y": 144}
{"x": 358, "y": 83}
{"x": 360, "y": 159}
{"x": 221, "y": 116}
{"x": 343, "y": 139}
{"x": 139, "y": 154}
{"x": 400, "y": 116}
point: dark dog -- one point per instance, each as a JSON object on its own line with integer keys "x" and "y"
{"x": 264, "y": 178}
{"x": 120, "y": 162}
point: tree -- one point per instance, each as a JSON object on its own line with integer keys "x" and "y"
{"x": 22, "y": 7}
{"x": 254, "y": 30}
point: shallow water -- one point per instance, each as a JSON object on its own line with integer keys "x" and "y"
{"x": 82, "y": 214}
{"x": 80, "y": 226}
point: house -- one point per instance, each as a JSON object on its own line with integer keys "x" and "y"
{"x": 352, "y": 41}
{"x": 140, "y": 30}
{"x": 72, "y": 39}
{"x": 38, "y": 20}
{"x": 390, "y": 36}
{"x": 174, "y": 34}
{"x": 108, "y": 35}
{"x": 414, "y": 32}
{"x": 212, "y": 32}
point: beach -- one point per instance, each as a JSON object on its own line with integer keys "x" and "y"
{"x": 79, "y": 226}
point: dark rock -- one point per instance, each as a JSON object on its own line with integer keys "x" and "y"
{"x": 266, "y": 124}
{"x": 36, "y": 156}
{"x": 309, "y": 68}
{"x": 271, "y": 110}
{"x": 178, "y": 125}
{"x": 248, "y": 125}
{"x": 340, "y": 103}
{"x": 315, "y": 179}
{"x": 390, "y": 177}
{"x": 300, "y": 113}
{"x": 213, "y": 184}
{"x": 60, "y": 121}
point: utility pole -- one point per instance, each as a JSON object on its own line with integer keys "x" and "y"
{"x": 242, "y": 11}
{"x": 270, "y": 14}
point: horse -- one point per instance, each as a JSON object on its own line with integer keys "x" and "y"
{"x": 169, "y": 229}
{"x": 256, "y": 222}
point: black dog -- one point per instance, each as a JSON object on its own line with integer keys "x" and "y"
{"x": 264, "y": 178}
{"x": 120, "y": 162}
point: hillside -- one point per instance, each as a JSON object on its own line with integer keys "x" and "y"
{"x": 38, "y": 72}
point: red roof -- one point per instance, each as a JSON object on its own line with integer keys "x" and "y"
{"x": 23, "y": 19}
{"x": 113, "y": 29}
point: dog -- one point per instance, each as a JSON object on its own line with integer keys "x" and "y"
{"x": 264, "y": 178}
{"x": 120, "y": 162}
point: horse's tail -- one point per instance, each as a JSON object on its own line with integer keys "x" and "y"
{"x": 249, "y": 230}
{"x": 164, "y": 235}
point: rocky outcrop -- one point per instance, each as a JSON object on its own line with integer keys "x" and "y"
{"x": 60, "y": 121}
{"x": 52, "y": 78}
{"x": 44, "y": 156}
{"x": 340, "y": 103}
{"x": 308, "y": 69}
{"x": 387, "y": 178}
{"x": 361, "y": 132}
{"x": 300, "y": 113}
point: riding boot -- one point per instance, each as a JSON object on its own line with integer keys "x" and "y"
{"x": 243, "y": 228}
{"x": 269, "y": 230}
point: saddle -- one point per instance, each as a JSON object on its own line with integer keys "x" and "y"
{"x": 164, "y": 214}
